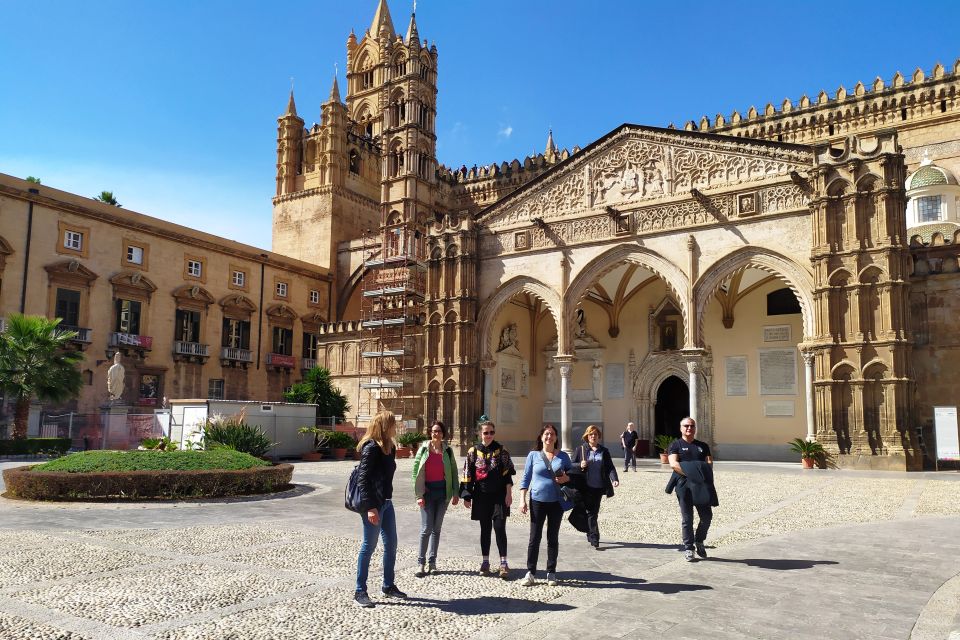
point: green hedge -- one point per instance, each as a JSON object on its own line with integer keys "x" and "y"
{"x": 25, "y": 482}
{"x": 34, "y": 446}
{"x": 89, "y": 461}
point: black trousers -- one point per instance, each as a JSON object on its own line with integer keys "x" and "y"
{"x": 591, "y": 503}
{"x": 705, "y": 512}
{"x": 499, "y": 525}
{"x": 552, "y": 513}
{"x": 629, "y": 457}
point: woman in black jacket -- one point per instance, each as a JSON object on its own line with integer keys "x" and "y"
{"x": 600, "y": 477}
{"x": 375, "y": 480}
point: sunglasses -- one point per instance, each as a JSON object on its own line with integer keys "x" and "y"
{"x": 487, "y": 433}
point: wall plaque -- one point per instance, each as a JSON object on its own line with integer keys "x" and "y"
{"x": 735, "y": 368}
{"x": 776, "y": 333}
{"x": 778, "y": 372}
{"x": 615, "y": 378}
{"x": 778, "y": 408}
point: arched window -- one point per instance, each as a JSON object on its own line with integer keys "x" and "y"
{"x": 354, "y": 162}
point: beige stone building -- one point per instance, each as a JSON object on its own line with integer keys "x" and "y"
{"x": 789, "y": 272}
{"x": 193, "y": 315}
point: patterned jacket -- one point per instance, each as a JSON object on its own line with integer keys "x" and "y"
{"x": 486, "y": 470}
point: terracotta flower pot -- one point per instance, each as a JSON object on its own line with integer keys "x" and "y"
{"x": 663, "y": 458}
{"x": 403, "y": 452}
{"x": 339, "y": 454}
{"x": 807, "y": 463}
{"x": 312, "y": 456}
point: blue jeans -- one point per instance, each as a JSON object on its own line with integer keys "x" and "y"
{"x": 431, "y": 520}
{"x": 387, "y": 531}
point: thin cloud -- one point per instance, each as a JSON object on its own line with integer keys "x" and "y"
{"x": 505, "y": 132}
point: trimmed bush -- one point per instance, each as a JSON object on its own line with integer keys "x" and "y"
{"x": 34, "y": 446}
{"x": 91, "y": 461}
{"x": 25, "y": 482}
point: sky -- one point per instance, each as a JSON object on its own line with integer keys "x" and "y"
{"x": 172, "y": 105}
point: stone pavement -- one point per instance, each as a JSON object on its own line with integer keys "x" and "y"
{"x": 793, "y": 554}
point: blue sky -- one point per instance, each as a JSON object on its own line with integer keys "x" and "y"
{"x": 172, "y": 105}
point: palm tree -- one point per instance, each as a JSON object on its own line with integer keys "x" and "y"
{"x": 35, "y": 361}
{"x": 317, "y": 388}
{"x": 107, "y": 198}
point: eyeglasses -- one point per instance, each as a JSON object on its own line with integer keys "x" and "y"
{"x": 436, "y": 431}
{"x": 487, "y": 433}
{"x": 688, "y": 426}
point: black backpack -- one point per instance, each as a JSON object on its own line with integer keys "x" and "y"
{"x": 351, "y": 494}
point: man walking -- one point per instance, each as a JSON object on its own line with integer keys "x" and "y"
{"x": 693, "y": 479}
{"x": 628, "y": 440}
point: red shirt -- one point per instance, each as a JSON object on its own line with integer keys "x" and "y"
{"x": 434, "y": 467}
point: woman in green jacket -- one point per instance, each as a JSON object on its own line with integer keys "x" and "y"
{"x": 435, "y": 483}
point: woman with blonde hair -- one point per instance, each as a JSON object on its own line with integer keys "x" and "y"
{"x": 600, "y": 477}
{"x": 375, "y": 481}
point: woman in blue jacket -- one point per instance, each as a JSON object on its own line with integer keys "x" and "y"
{"x": 545, "y": 470}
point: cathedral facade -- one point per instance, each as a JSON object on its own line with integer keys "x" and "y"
{"x": 784, "y": 273}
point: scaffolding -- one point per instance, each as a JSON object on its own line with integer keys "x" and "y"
{"x": 391, "y": 314}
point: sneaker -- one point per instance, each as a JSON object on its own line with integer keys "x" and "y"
{"x": 393, "y": 592}
{"x": 528, "y": 580}
{"x": 552, "y": 579}
{"x": 485, "y": 569}
{"x": 688, "y": 554}
{"x": 361, "y": 599}
{"x": 422, "y": 571}
{"x": 432, "y": 568}
{"x": 504, "y": 571}
{"x": 701, "y": 550}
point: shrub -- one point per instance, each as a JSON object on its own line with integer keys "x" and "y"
{"x": 91, "y": 461}
{"x": 340, "y": 440}
{"x": 412, "y": 439}
{"x": 663, "y": 442}
{"x": 238, "y": 435}
{"x": 806, "y": 449}
{"x": 158, "y": 444}
{"x": 26, "y": 482}
{"x": 33, "y": 446}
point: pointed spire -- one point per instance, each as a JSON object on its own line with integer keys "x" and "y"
{"x": 334, "y": 91}
{"x": 551, "y": 146}
{"x": 381, "y": 19}
{"x": 291, "y": 105}
{"x": 412, "y": 35}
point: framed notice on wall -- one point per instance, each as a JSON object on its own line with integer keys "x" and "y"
{"x": 776, "y": 333}
{"x": 735, "y": 371}
{"x": 948, "y": 437}
{"x": 778, "y": 372}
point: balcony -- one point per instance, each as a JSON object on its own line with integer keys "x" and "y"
{"x": 129, "y": 342}
{"x": 84, "y": 335}
{"x": 233, "y": 356}
{"x": 281, "y": 361}
{"x": 308, "y": 363}
{"x": 190, "y": 351}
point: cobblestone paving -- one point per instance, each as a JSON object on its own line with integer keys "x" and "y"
{"x": 875, "y": 555}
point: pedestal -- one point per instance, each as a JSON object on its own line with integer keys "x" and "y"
{"x": 113, "y": 423}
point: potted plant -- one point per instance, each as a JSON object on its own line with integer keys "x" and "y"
{"x": 339, "y": 443}
{"x": 409, "y": 441}
{"x": 663, "y": 443}
{"x": 319, "y": 442}
{"x": 808, "y": 450}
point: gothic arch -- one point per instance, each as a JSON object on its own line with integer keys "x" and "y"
{"x": 651, "y": 375}
{"x": 798, "y": 279}
{"x": 675, "y": 279}
{"x": 492, "y": 305}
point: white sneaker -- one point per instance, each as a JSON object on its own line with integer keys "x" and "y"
{"x": 552, "y": 579}
{"x": 528, "y": 580}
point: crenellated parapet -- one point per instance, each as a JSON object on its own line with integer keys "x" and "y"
{"x": 868, "y": 106}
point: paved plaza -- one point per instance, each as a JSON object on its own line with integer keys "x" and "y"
{"x": 792, "y": 554}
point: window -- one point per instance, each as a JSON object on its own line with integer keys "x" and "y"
{"x": 187, "y": 328}
{"x": 281, "y": 289}
{"x": 928, "y": 208}
{"x": 283, "y": 341}
{"x": 239, "y": 279}
{"x": 128, "y": 317}
{"x": 314, "y": 296}
{"x": 68, "y": 307}
{"x": 310, "y": 345}
{"x": 215, "y": 389}
{"x": 782, "y": 302}
{"x": 194, "y": 268}
{"x": 73, "y": 240}
{"x": 134, "y": 254}
{"x": 236, "y": 333}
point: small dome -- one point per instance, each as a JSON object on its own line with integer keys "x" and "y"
{"x": 929, "y": 174}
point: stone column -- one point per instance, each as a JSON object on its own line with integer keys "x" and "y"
{"x": 693, "y": 368}
{"x": 565, "y": 364}
{"x": 808, "y": 361}
{"x": 488, "y": 364}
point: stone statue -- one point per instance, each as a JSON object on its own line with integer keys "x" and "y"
{"x": 551, "y": 382}
{"x": 116, "y": 375}
{"x": 508, "y": 337}
{"x": 597, "y": 390}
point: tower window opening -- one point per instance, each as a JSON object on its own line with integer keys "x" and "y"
{"x": 903, "y": 113}
{"x": 943, "y": 106}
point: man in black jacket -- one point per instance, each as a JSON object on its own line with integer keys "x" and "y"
{"x": 692, "y": 467}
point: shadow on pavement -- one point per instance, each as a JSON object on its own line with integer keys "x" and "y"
{"x": 775, "y": 565}
{"x": 483, "y": 605}
{"x": 616, "y": 544}
{"x": 601, "y": 580}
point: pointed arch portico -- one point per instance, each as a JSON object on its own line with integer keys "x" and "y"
{"x": 491, "y": 307}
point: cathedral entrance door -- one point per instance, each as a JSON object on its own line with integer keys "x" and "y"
{"x": 673, "y": 405}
